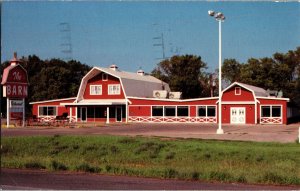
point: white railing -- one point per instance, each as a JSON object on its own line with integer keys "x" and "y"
{"x": 271, "y": 120}
{"x": 173, "y": 119}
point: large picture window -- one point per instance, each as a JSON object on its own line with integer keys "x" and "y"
{"x": 271, "y": 111}
{"x": 114, "y": 89}
{"x": 95, "y": 89}
{"x": 47, "y": 110}
{"x": 157, "y": 111}
{"x": 182, "y": 111}
{"x": 206, "y": 111}
{"x": 170, "y": 111}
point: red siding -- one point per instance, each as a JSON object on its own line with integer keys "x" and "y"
{"x": 60, "y": 109}
{"x": 97, "y": 80}
{"x": 163, "y": 102}
{"x": 140, "y": 111}
{"x": 283, "y": 103}
{"x": 229, "y": 95}
{"x": 250, "y": 113}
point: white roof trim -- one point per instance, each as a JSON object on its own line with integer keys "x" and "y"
{"x": 238, "y": 102}
{"x": 98, "y": 102}
{"x": 174, "y": 100}
{"x": 53, "y": 100}
{"x": 237, "y": 83}
{"x": 274, "y": 98}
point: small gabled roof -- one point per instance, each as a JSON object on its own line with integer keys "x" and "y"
{"x": 257, "y": 91}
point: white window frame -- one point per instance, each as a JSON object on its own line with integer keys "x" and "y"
{"x": 114, "y": 92}
{"x": 55, "y": 109}
{"x": 206, "y": 106}
{"x": 271, "y": 114}
{"x": 237, "y": 91}
{"x": 164, "y": 113}
{"x": 104, "y": 77}
{"x": 92, "y": 90}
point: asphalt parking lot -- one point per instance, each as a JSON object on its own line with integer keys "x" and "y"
{"x": 261, "y": 133}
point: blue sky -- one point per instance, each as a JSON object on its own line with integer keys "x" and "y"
{"x": 123, "y": 33}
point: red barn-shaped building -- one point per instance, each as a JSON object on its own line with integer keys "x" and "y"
{"x": 110, "y": 95}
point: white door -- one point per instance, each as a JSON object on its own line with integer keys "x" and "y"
{"x": 237, "y": 115}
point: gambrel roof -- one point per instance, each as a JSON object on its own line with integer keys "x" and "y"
{"x": 133, "y": 84}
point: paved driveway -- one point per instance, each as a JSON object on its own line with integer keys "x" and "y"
{"x": 264, "y": 133}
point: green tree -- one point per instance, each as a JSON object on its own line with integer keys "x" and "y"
{"x": 231, "y": 70}
{"x": 182, "y": 73}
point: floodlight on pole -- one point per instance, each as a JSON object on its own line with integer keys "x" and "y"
{"x": 220, "y": 18}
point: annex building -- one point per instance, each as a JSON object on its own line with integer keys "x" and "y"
{"x": 111, "y": 95}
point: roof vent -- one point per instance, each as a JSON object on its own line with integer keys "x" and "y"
{"x": 140, "y": 72}
{"x": 113, "y": 67}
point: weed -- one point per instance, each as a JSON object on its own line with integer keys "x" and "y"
{"x": 195, "y": 175}
{"x": 58, "y": 166}
{"x": 114, "y": 149}
{"x": 34, "y": 165}
{"x": 220, "y": 176}
{"x": 127, "y": 140}
{"x": 260, "y": 159}
{"x": 170, "y": 173}
{"x": 242, "y": 179}
{"x": 207, "y": 156}
{"x": 170, "y": 155}
{"x": 87, "y": 168}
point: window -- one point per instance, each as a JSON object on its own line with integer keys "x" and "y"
{"x": 238, "y": 91}
{"x": 114, "y": 89}
{"x": 170, "y": 111}
{"x": 182, "y": 111}
{"x": 276, "y": 111}
{"x": 211, "y": 111}
{"x": 104, "y": 77}
{"x": 157, "y": 111}
{"x": 95, "y": 89}
{"x": 202, "y": 111}
{"x": 271, "y": 111}
{"x": 100, "y": 112}
{"x": 266, "y": 111}
{"x": 206, "y": 111}
{"x": 47, "y": 110}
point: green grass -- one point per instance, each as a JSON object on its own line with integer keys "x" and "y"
{"x": 225, "y": 161}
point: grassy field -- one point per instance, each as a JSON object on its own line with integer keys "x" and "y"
{"x": 226, "y": 161}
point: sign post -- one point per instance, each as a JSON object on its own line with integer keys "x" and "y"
{"x": 15, "y": 89}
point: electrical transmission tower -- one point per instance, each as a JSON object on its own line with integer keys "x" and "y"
{"x": 160, "y": 43}
{"x": 66, "y": 43}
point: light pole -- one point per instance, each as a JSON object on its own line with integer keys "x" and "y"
{"x": 220, "y": 18}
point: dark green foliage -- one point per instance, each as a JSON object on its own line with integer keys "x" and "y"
{"x": 182, "y": 73}
{"x": 281, "y": 72}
